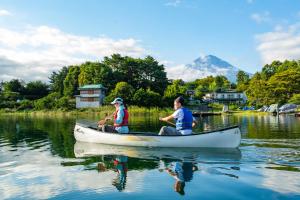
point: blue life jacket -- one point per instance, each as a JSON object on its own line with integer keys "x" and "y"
{"x": 186, "y": 122}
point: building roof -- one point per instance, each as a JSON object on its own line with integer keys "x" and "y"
{"x": 92, "y": 87}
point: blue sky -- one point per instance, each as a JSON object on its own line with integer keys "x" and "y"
{"x": 246, "y": 33}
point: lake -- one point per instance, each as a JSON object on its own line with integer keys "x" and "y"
{"x": 40, "y": 159}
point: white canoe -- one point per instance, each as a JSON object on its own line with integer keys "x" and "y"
{"x": 223, "y": 138}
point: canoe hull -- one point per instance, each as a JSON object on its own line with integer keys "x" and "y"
{"x": 225, "y": 138}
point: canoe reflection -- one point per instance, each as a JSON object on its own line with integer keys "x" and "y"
{"x": 82, "y": 149}
{"x": 180, "y": 163}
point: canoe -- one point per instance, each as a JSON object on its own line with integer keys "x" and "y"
{"x": 229, "y": 137}
{"x": 85, "y": 149}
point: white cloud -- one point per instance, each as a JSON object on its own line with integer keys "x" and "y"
{"x": 34, "y": 52}
{"x": 173, "y": 3}
{"x": 261, "y": 17}
{"x": 250, "y": 1}
{"x": 280, "y": 44}
{"x": 5, "y": 13}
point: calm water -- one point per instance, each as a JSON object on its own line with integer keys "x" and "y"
{"x": 40, "y": 159}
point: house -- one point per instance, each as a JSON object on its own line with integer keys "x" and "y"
{"x": 191, "y": 94}
{"x": 226, "y": 97}
{"x": 90, "y": 96}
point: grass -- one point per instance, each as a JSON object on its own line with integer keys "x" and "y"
{"x": 101, "y": 111}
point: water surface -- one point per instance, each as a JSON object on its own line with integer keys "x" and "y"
{"x": 40, "y": 159}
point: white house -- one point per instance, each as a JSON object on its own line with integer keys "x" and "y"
{"x": 90, "y": 96}
{"x": 226, "y": 97}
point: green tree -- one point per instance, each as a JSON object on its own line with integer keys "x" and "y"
{"x": 242, "y": 81}
{"x": 147, "y": 98}
{"x": 15, "y": 85}
{"x": 71, "y": 81}
{"x": 270, "y": 70}
{"x": 283, "y": 85}
{"x": 47, "y": 102}
{"x": 36, "y": 90}
{"x": 257, "y": 91}
{"x": 295, "y": 99}
{"x": 57, "y": 80}
{"x": 96, "y": 73}
{"x": 123, "y": 90}
{"x": 140, "y": 73}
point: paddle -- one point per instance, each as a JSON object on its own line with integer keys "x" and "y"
{"x": 167, "y": 122}
{"x": 103, "y": 121}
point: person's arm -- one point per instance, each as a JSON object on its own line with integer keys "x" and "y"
{"x": 174, "y": 115}
{"x": 194, "y": 122}
{"x": 120, "y": 116}
{"x": 166, "y": 118}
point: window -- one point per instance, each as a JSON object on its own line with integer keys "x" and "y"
{"x": 89, "y": 99}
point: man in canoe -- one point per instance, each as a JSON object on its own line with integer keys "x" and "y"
{"x": 183, "y": 117}
{"x": 121, "y": 117}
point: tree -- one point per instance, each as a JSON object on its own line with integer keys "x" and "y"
{"x": 270, "y": 70}
{"x": 295, "y": 99}
{"x": 242, "y": 81}
{"x": 175, "y": 89}
{"x": 123, "y": 90}
{"x": 15, "y": 85}
{"x": 147, "y": 98}
{"x": 257, "y": 91}
{"x": 140, "y": 73}
{"x": 284, "y": 85}
{"x": 96, "y": 73}
{"x": 36, "y": 90}
{"x": 57, "y": 81}
{"x": 47, "y": 102}
{"x": 71, "y": 81}
{"x": 200, "y": 91}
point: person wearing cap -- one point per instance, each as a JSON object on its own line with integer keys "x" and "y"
{"x": 183, "y": 117}
{"x": 121, "y": 117}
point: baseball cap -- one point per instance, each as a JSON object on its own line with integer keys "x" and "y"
{"x": 117, "y": 100}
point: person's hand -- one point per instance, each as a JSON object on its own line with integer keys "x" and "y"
{"x": 162, "y": 119}
{"x": 101, "y": 122}
{"x": 194, "y": 124}
{"x": 107, "y": 118}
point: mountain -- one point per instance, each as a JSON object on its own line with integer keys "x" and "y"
{"x": 202, "y": 67}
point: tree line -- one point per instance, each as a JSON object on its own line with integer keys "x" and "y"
{"x": 143, "y": 82}
{"x": 278, "y": 82}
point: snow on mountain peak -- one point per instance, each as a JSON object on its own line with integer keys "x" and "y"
{"x": 205, "y": 65}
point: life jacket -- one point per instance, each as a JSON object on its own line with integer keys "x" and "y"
{"x": 123, "y": 164}
{"x": 124, "y": 121}
{"x": 186, "y": 122}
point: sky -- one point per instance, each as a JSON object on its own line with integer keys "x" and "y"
{"x": 38, "y": 37}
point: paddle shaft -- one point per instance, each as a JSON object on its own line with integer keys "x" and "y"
{"x": 170, "y": 123}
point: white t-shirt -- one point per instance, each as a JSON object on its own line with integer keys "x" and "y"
{"x": 179, "y": 114}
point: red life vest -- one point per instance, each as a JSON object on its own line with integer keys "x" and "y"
{"x": 124, "y": 121}
{"x": 123, "y": 164}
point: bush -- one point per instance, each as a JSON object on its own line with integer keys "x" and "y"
{"x": 25, "y": 104}
{"x": 295, "y": 99}
{"x": 65, "y": 103}
{"x": 147, "y": 98}
{"x": 47, "y": 102}
{"x": 123, "y": 90}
